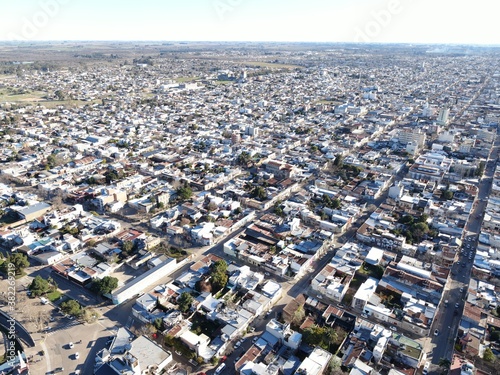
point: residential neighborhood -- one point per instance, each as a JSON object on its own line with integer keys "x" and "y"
{"x": 184, "y": 209}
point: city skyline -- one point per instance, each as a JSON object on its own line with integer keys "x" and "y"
{"x": 388, "y": 21}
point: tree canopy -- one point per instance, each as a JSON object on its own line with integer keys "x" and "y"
{"x": 185, "y": 301}
{"x": 71, "y": 307}
{"x": 184, "y": 192}
{"x": 105, "y": 285}
{"x": 40, "y": 286}
{"x": 19, "y": 262}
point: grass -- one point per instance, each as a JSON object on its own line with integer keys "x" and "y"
{"x": 54, "y": 296}
{"x": 11, "y": 95}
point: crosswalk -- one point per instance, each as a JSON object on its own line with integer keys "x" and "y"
{"x": 61, "y": 327}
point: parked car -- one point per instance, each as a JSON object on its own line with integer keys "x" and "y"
{"x": 71, "y": 345}
{"x": 436, "y": 332}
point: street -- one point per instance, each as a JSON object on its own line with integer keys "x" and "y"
{"x": 448, "y": 317}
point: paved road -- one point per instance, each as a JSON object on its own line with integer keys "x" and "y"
{"x": 448, "y": 318}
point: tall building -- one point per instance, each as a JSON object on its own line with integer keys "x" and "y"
{"x": 415, "y": 136}
{"x": 443, "y": 116}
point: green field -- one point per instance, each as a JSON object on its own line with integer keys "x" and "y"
{"x": 37, "y": 97}
{"x": 54, "y": 296}
{"x": 13, "y": 95}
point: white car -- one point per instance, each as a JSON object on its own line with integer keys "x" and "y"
{"x": 71, "y": 345}
{"x": 77, "y": 355}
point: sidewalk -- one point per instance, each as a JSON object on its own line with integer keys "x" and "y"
{"x": 38, "y": 364}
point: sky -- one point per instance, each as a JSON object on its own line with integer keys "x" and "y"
{"x": 365, "y": 21}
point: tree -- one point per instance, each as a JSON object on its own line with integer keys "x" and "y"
{"x": 339, "y": 161}
{"x": 184, "y": 192}
{"x": 488, "y": 355}
{"x": 51, "y": 161}
{"x": 18, "y": 261}
{"x": 111, "y": 175}
{"x": 298, "y": 316}
{"x": 184, "y": 301}
{"x": 444, "y": 363}
{"x": 330, "y": 335}
{"x": 39, "y": 286}
{"x": 218, "y": 275}
{"x": 127, "y": 247}
{"x": 243, "y": 158}
{"x": 71, "y": 307}
{"x": 89, "y": 315}
{"x": 105, "y": 285}
{"x": 313, "y": 335}
{"x": 259, "y": 192}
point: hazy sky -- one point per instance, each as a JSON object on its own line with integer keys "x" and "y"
{"x": 413, "y": 21}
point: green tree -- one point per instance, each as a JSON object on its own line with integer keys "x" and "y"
{"x": 298, "y": 316}
{"x": 127, "y": 247}
{"x": 18, "y": 261}
{"x": 444, "y": 363}
{"x": 105, "y": 285}
{"x": 39, "y": 286}
{"x": 259, "y": 192}
{"x": 330, "y": 335}
{"x": 243, "y": 158}
{"x": 71, "y": 307}
{"x": 185, "y": 301}
{"x": 314, "y": 335}
{"x": 218, "y": 275}
{"x": 185, "y": 192}
{"x": 51, "y": 161}
{"x": 158, "y": 323}
{"x": 339, "y": 161}
{"x": 488, "y": 355}
{"x": 111, "y": 175}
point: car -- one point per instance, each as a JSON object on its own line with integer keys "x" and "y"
{"x": 461, "y": 290}
{"x": 237, "y": 345}
{"x": 425, "y": 370}
{"x": 446, "y": 303}
{"x": 71, "y": 345}
{"x": 268, "y": 313}
{"x": 254, "y": 340}
{"x": 52, "y": 319}
{"x": 252, "y": 329}
{"x": 237, "y": 359}
{"x": 392, "y": 328}
{"x": 223, "y": 358}
{"x": 436, "y": 332}
{"x": 457, "y": 305}
{"x": 219, "y": 369}
{"x": 77, "y": 355}
{"x": 48, "y": 328}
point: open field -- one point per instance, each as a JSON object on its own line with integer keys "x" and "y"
{"x": 186, "y": 79}
{"x": 13, "y": 95}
